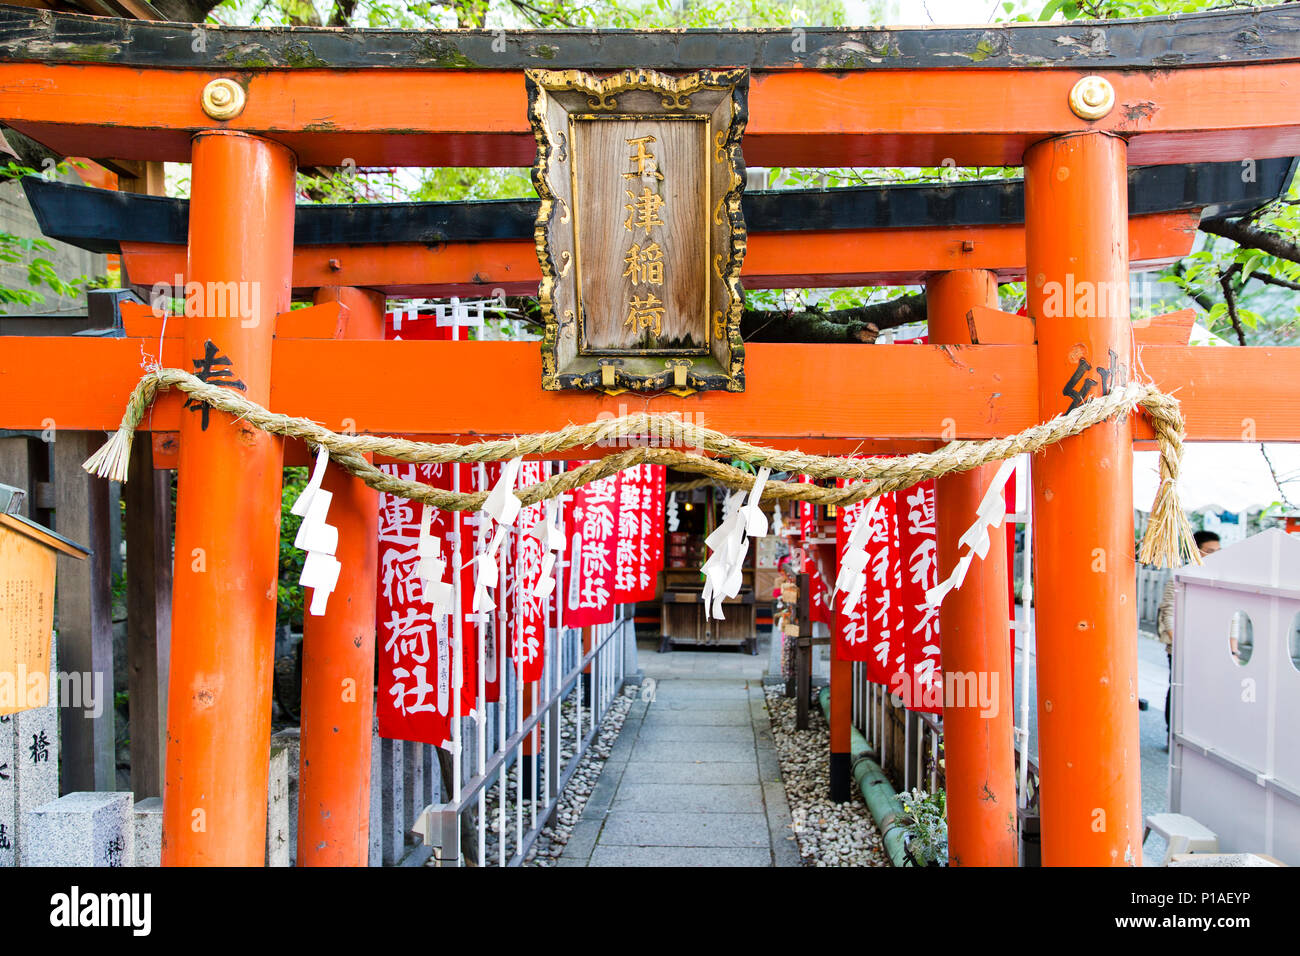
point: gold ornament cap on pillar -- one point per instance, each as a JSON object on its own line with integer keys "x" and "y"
{"x": 1092, "y": 97}
{"x": 223, "y": 99}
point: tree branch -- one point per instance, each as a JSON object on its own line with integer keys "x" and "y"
{"x": 859, "y": 324}
{"x": 29, "y": 152}
{"x": 1225, "y": 283}
{"x": 1203, "y": 299}
{"x": 542, "y": 18}
{"x": 1253, "y": 238}
{"x": 529, "y": 308}
{"x": 851, "y": 326}
{"x": 1275, "y": 280}
{"x": 185, "y": 11}
{"x": 341, "y": 15}
{"x": 1276, "y": 482}
{"x": 803, "y": 327}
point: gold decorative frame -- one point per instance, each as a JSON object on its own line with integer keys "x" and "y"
{"x": 642, "y": 370}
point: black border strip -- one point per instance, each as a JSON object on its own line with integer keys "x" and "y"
{"x": 1216, "y": 38}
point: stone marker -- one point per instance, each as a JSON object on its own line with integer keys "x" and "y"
{"x": 292, "y": 739}
{"x": 81, "y": 829}
{"x": 432, "y": 776}
{"x": 29, "y": 770}
{"x": 148, "y": 832}
{"x": 277, "y": 807}
{"x": 376, "y": 798}
{"x": 8, "y": 793}
{"x": 391, "y": 803}
{"x": 413, "y": 780}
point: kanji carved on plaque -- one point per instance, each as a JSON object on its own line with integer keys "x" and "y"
{"x": 640, "y": 235}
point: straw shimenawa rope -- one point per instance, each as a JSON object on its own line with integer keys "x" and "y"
{"x": 1167, "y": 542}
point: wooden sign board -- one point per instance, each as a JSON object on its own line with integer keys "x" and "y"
{"x": 28, "y": 556}
{"x": 640, "y": 234}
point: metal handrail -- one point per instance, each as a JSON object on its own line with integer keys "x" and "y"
{"x": 442, "y": 822}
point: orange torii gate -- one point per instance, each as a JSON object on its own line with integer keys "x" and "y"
{"x": 1075, "y": 114}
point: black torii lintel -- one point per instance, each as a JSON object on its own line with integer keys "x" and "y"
{"x": 99, "y": 220}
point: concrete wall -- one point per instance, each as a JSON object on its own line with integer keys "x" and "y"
{"x": 68, "y": 261}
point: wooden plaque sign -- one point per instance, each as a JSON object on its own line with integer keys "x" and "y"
{"x": 640, "y": 233}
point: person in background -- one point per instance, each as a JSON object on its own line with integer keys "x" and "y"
{"x": 1207, "y": 542}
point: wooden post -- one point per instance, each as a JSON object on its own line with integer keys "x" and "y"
{"x": 148, "y": 613}
{"x": 803, "y": 654}
{"x": 151, "y": 179}
{"x": 17, "y": 468}
{"x": 228, "y": 509}
{"x": 1076, "y": 235}
{"x": 974, "y": 629}
{"x": 85, "y": 616}
{"x": 338, "y": 657}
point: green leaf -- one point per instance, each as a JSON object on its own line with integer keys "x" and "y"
{"x": 1251, "y": 264}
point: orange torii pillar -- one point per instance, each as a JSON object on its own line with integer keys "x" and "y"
{"x": 974, "y": 629}
{"x": 227, "y": 509}
{"x": 1076, "y": 238}
{"x": 338, "y": 656}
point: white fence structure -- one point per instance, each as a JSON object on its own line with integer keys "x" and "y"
{"x": 1235, "y": 742}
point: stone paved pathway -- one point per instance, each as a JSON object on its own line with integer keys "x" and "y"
{"x": 693, "y": 779}
{"x": 1153, "y": 681}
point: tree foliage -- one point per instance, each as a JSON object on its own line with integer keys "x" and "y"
{"x": 29, "y": 254}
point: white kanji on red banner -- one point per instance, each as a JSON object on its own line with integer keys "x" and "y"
{"x": 416, "y": 656}
{"x": 884, "y": 582}
{"x": 627, "y": 547}
{"x": 592, "y": 524}
{"x": 921, "y": 684}
{"x": 527, "y": 638}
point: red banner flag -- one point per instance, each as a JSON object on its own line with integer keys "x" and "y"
{"x": 806, "y": 513}
{"x": 475, "y": 532}
{"x": 526, "y": 632}
{"x": 849, "y": 632}
{"x": 639, "y": 551}
{"x": 627, "y": 543}
{"x": 654, "y": 499}
{"x": 818, "y": 609}
{"x": 503, "y": 617}
{"x": 591, "y": 523}
{"x": 416, "y": 653}
{"x": 818, "y": 604}
{"x": 884, "y": 580}
{"x": 409, "y": 324}
{"x": 921, "y": 687}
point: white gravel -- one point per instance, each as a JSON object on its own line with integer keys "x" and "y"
{"x": 829, "y": 834}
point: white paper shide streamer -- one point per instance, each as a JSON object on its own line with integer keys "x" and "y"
{"x": 502, "y": 506}
{"x": 550, "y": 532}
{"x": 431, "y": 566}
{"x": 724, "y": 571}
{"x": 852, "y": 577}
{"x": 320, "y": 570}
{"x": 992, "y": 511}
